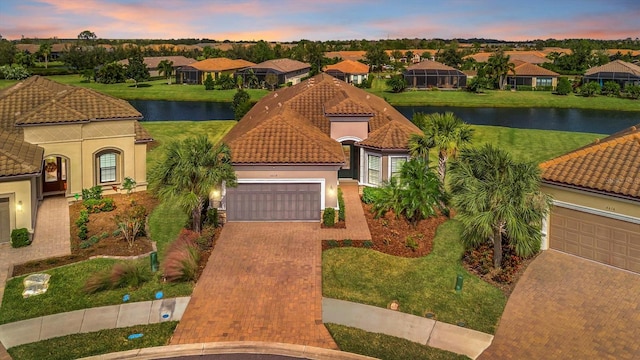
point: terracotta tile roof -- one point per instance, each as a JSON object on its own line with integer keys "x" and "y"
{"x": 354, "y": 55}
{"x": 291, "y": 126}
{"x": 142, "y": 135}
{"x": 393, "y": 136}
{"x": 523, "y": 68}
{"x": 281, "y": 65}
{"x": 221, "y": 64}
{"x": 349, "y": 67}
{"x": 153, "y": 61}
{"x": 533, "y": 57}
{"x": 18, "y": 157}
{"x": 615, "y": 66}
{"x": 612, "y": 52}
{"x": 610, "y": 165}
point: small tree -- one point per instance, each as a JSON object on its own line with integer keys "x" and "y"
{"x": 45, "y": 51}
{"x": 209, "y": 83}
{"x": 131, "y": 222}
{"x": 564, "y": 86}
{"x": 241, "y": 104}
{"x": 397, "y": 83}
{"x": 166, "y": 67}
{"x": 271, "y": 79}
{"x": 137, "y": 69}
{"x": 226, "y": 82}
{"x": 87, "y": 74}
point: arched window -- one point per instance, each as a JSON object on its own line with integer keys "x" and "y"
{"x": 108, "y": 166}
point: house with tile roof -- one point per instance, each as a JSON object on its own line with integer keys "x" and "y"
{"x": 596, "y": 197}
{"x": 622, "y": 72}
{"x": 432, "y": 74}
{"x": 532, "y": 57}
{"x": 58, "y": 139}
{"x": 197, "y": 72}
{"x": 152, "y": 63}
{"x": 292, "y": 149}
{"x": 349, "y": 71}
{"x": 285, "y": 71}
{"x": 531, "y": 76}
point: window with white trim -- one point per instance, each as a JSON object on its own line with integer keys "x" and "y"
{"x": 374, "y": 169}
{"x": 396, "y": 163}
{"x": 107, "y": 162}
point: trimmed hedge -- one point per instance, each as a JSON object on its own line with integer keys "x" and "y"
{"x": 20, "y": 238}
{"x": 329, "y": 217}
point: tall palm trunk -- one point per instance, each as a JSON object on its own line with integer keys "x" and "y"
{"x": 196, "y": 215}
{"x": 497, "y": 247}
{"x": 442, "y": 165}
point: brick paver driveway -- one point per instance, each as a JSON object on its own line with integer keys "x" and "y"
{"x": 262, "y": 283}
{"x": 565, "y": 307}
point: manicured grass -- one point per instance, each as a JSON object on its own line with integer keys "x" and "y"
{"x": 419, "y": 284}
{"x": 530, "y": 144}
{"x": 157, "y": 90}
{"x": 385, "y": 347}
{"x": 495, "y": 98}
{"x": 95, "y": 343}
{"x": 65, "y": 292}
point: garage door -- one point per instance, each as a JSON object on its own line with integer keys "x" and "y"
{"x": 273, "y": 202}
{"x": 609, "y": 241}
{"x": 5, "y": 219}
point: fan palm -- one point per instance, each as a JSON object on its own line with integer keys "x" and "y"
{"x": 497, "y": 198}
{"x": 189, "y": 171}
{"x": 166, "y": 67}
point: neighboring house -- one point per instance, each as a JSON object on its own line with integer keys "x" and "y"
{"x": 354, "y": 55}
{"x": 291, "y": 150}
{"x": 532, "y": 57}
{"x": 622, "y": 72}
{"x": 596, "y": 192}
{"x": 58, "y": 139}
{"x": 430, "y": 74}
{"x": 349, "y": 71}
{"x": 197, "y": 72}
{"x": 533, "y": 76}
{"x": 285, "y": 70}
{"x": 153, "y": 61}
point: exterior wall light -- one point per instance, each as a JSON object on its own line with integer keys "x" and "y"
{"x": 19, "y": 206}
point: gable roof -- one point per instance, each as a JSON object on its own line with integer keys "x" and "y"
{"x": 281, "y": 65}
{"x": 348, "y": 67}
{"x": 293, "y": 126}
{"x": 152, "y": 62}
{"x": 618, "y": 66}
{"x": 610, "y": 165}
{"x": 431, "y": 65}
{"x": 392, "y": 136}
{"x": 523, "y": 68}
{"x": 18, "y": 157}
{"x": 221, "y": 64}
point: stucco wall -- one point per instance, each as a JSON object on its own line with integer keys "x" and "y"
{"x": 594, "y": 201}
{"x": 282, "y": 173}
{"x": 19, "y": 191}
{"x": 342, "y": 129}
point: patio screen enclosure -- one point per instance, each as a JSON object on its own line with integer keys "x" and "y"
{"x": 428, "y": 78}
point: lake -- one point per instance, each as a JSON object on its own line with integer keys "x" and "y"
{"x": 579, "y": 120}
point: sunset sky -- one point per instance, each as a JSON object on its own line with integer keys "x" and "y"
{"x": 290, "y": 20}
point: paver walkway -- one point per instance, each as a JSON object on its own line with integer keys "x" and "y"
{"x": 565, "y": 307}
{"x": 50, "y": 239}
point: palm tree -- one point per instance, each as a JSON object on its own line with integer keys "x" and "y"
{"x": 446, "y": 133}
{"x": 45, "y": 51}
{"x": 497, "y": 198}
{"x": 499, "y": 67}
{"x": 189, "y": 171}
{"x": 166, "y": 67}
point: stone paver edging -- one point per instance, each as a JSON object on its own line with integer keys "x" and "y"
{"x": 414, "y": 328}
{"x": 233, "y": 347}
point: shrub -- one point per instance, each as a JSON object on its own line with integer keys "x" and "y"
{"x": 524, "y": 88}
{"x": 20, "y": 238}
{"x": 397, "y": 83}
{"x": 94, "y": 206}
{"x": 129, "y": 184}
{"x": 99, "y": 281}
{"x": 333, "y": 243}
{"x": 93, "y": 240}
{"x": 411, "y": 243}
{"x": 83, "y": 218}
{"x": 611, "y": 88}
{"x": 209, "y": 83}
{"x": 369, "y": 194}
{"x": 129, "y": 274}
{"x": 329, "y": 217}
{"x": 632, "y": 91}
{"x": 564, "y": 86}
{"x": 341, "y": 210}
{"x": 347, "y": 242}
{"x": 92, "y": 193}
{"x": 212, "y": 218}
{"x": 367, "y": 244}
{"x": 182, "y": 258}
{"x": 590, "y": 89}
{"x": 83, "y": 232}
{"x": 205, "y": 240}
{"x": 131, "y": 223}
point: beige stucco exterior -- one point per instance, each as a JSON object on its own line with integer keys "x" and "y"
{"x": 603, "y": 203}
{"x": 22, "y": 202}
{"x": 326, "y": 175}
{"x": 347, "y": 129}
{"x": 79, "y": 144}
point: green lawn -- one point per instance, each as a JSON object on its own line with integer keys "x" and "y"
{"x": 95, "y": 343}
{"x": 419, "y": 284}
{"x": 65, "y": 292}
{"x": 385, "y": 347}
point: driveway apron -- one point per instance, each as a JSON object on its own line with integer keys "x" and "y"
{"x": 262, "y": 283}
{"x": 565, "y": 307}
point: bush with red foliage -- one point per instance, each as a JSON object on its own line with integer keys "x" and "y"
{"x": 182, "y": 257}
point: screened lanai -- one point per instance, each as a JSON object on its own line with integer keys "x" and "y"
{"x": 429, "y": 74}
{"x": 622, "y": 72}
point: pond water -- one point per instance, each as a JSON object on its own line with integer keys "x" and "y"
{"x": 579, "y": 120}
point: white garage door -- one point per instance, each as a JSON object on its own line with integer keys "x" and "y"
{"x": 274, "y": 202}
{"x": 609, "y": 241}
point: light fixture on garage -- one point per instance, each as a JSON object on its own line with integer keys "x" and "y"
{"x": 331, "y": 192}
{"x": 19, "y": 206}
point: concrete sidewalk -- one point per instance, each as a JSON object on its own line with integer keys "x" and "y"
{"x": 414, "y": 328}
{"x": 92, "y": 319}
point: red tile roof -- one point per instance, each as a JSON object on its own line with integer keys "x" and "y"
{"x": 610, "y": 165}
{"x": 430, "y": 65}
{"x": 282, "y": 65}
{"x": 292, "y": 125}
{"x": 153, "y": 61}
{"x": 18, "y": 157}
{"x": 533, "y": 57}
{"x": 349, "y": 67}
{"x": 523, "y": 68}
{"x": 221, "y": 64}
{"x": 615, "y": 66}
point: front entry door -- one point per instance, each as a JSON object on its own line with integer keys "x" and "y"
{"x": 54, "y": 177}
{"x": 350, "y": 168}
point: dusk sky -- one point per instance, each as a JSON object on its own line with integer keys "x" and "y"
{"x": 291, "y": 20}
